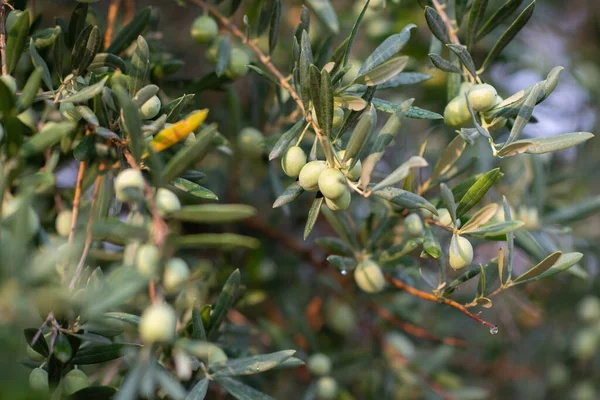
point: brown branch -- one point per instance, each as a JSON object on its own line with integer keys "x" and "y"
{"x": 3, "y": 37}
{"x": 449, "y": 25}
{"x": 77, "y": 200}
{"x": 431, "y": 297}
{"x": 415, "y": 330}
{"x": 113, "y": 9}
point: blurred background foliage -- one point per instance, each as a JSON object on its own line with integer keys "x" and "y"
{"x": 544, "y": 349}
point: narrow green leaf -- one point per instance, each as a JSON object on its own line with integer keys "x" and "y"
{"x": 39, "y": 63}
{"x": 350, "y": 42}
{"x": 558, "y": 142}
{"x": 77, "y": 23}
{"x": 213, "y": 213}
{"x": 464, "y": 57}
{"x": 274, "y": 25}
{"x": 131, "y": 121}
{"x": 449, "y": 202}
{"x": 401, "y": 172}
{"x": 31, "y": 88}
{"x": 238, "y": 389}
{"x": 284, "y": 140}
{"x": 130, "y": 32}
{"x": 475, "y": 18}
{"x": 540, "y": 268}
{"x": 199, "y": 390}
{"x": 383, "y": 72}
{"x": 565, "y": 262}
{"x": 194, "y": 189}
{"x": 460, "y": 9}
{"x": 102, "y": 60}
{"x": 334, "y": 245}
{"x": 223, "y": 55}
{"x": 140, "y": 63}
{"x": 386, "y": 50}
{"x": 101, "y": 353}
{"x": 326, "y": 104}
{"x": 495, "y": 230}
{"x": 449, "y": 157}
{"x": 361, "y": 135}
{"x": 40, "y": 345}
{"x": 524, "y": 114}
{"x": 518, "y": 147}
{"x": 186, "y": 157}
{"x": 405, "y": 199}
{"x": 251, "y": 365}
{"x": 289, "y": 194}
{"x": 479, "y": 218}
{"x": 48, "y": 136}
{"x": 575, "y": 212}
{"x": 326, "y": 14}
{"x": 477, "y": 191}
{"x": 436, "y": 25}
{"x": 306, "y": 60}
{"x": 498, "y": 17}
{"x": 313, "y": 214}
{"x": 16, "y": 40}
{"x": 509, "y": 34}
{"x": 399, "y": 250}
{"x": 94, "y": 393}
{"x": 198, "y": 326}
{"x": 443, "y": 64}
{"x": 216, "y": 240}
{"x": 85, "y": 49}
{"x": 223, "y": 304}
{"x": 86, "y": 93}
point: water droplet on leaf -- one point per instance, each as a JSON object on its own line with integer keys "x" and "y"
{"x": 344, "y": 272}
{"x": 494, "y": 330}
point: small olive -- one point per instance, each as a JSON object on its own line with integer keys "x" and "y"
{"x": 129, "y": 185}
{"x": 238, "y": 64}
{"x": 204, "y": 29}
{"x": 340, "y": 317}
{"x": 368, "y": 277}
{"x": 251, "y": 142}
{"x": 585, "y": 344}
{"x": 327, "y": 388}
{"x": 332, "y": 183}
{"x": 341, "y": 203}
{"x": 309, "y": 175}
{"x": 10, "y": 83}
{"x": 38, "y": 381}
{"x": 413, "y": 225}
{"x": 319, "y": 364}
{"x": 158, "y": 323}
{"x": 293, "y": 161}
{"x": 482, "y": 97}
{"x": 176, "y": 273}
{"x": 213, "y": 50}
{"x": 589, "y": 309}
{"x": 444, "y": 217}
{"x": 34, "y": 355}
{"x": 456, "y": 113}
{"x": 74, "y": 381}
{"x": 166, "y": 201}
{"x": 338, "y": 117}
{"x": 150, "y": 108}
{"x": 147, "y": 260}
{"x": 63, "y": 222}
{"x": 354, "y": 173}
{"x": 461, "y": 252}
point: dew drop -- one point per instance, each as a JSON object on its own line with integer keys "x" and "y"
{"x": 344, "y": 272}
{"x": 494, "y": 330}
{"x": 257, "y": 369}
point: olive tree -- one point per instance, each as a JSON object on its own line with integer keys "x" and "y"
{"x": 146, "y": 282}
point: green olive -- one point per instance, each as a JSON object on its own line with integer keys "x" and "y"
{"x": 147, "y": 260}
{"x": 332, "y": 183}
{"x": 74, "y": 381}
{"x": 158, "y": 323}
{"x": 444, "y": 217}
{"x": 583, "y": 391}
{"x": 32, "y": 223}
{"x": 354, "y": 173}
{"x": 456, "y": 113}
{"x": 338, "y": 117}
{"x": 129, "y": 185}
{"x": 63, "y": 222}
{"x": 368, "y": 277}
{"x": 341, "y": 203}
{"x": 340, "y": 317}
{"x": 319, "y": 364}
{"x": 166, "y": 201}
{"x": 213, "y": 50}
{"x": 38, "y": 381}
{"x": 464, "y": 88}
{"x": 251, "y": 142}
{"x": 585, "y": 344}
{"x": 309, "y": 175}
{"x": 413, "y": 225}
{"x": 34, "y": 355}
{"x": 176, "y": 273}
{"x": 482, "y": 97}
{"x": 204, "y": 29}
{"x": 461, "y": 252}
{"x": 557, "y": 375}
{"x": 293, "y": 161}
{"x": 150, "y": 108}
{"x": 238, "y": 64}
{"x": 327, "y": 388}
{"x": 589, "y": 309}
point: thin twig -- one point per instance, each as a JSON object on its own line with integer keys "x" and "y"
{"x": 449, "y": 25}
{"x": 431, "y": 297}
{"x": 113, "y": 9}
{"x": 3, "y": 37}
{"x": 77, "y": 200}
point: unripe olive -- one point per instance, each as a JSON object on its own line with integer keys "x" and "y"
{"x": 339, "y": 317}
{"x": 38, "y": 381}
{"x": 216, "y": 356}
{"x": 557, "y": 375}
{"x": 332, "y": 183}
{"x": 401, "y": 344}
{"x": 34, "y": 355}
{"x": 585, "y": 344}
{"x": 464, "y": 88}
{"x": 238, "y": 64}
{"x": 583, "y": 391}
{"x": 158, "y": 323}
{"x": 368, "y": 277}
{"x": 176, "y": 273}
{"x": 589, "y": 309}
{"x": 10, "y": 83}
{"x": 413, "y": 225}
{"x": 166, "y": 201}
{"x": 251, "y": 142}
{"x": 319, "y": 364}
{"x": 327, "y": 388}
{"x": 147, "y": 260}
{"x": 74, "y": 381}
{"x": 69, "y": 112}
{"x": 150, "y": 108}
{"x": 444, "y": 217}
{"x": 354, "y": 173}
{"x": 293, "y": 161}
{"x": 309, "y": 175}
{"x": 338, "y": 117}
{"x": 63, "y": 222}
{"x": 129, "y": 185}
{"x": 213, "y": 50}
{"x": 456, "y": 113}
{"x": 341, "y": 203}
{"x": 461, "y": 252}
{"x": 204, "y": 29}
{"x": 482, "y": 97}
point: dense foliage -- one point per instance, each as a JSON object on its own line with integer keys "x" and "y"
{"x": 149, "y": 233}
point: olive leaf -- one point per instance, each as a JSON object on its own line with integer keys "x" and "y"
{"x": 16, "y": 40}
{"x": 326, "y": 14}
{"x": 479, "y": 218}
{"x": 383, "y": 72}
{"x": 401, "y": 172}
{"x": 313, "y": 214}
{"x": 464, "y": 57}
{"x": 386, "y": 50}
{"x": 289, "y": 194}
{"x": 274, "y": 25}
{"x": 448, "y": 199}
{"x": 449, "y": 157}
{"x": 405, "y": 199}
{"x": 498, "y": 17}
{"x": 130, "y": 32}
{"x": 223, "y": 304}
{"x": 436, "y": 25}
{"x": 284, "y": 140}
{"x": 140, "y": 63}
{"x": 39, "y": 63}
{"x": 475, "y": 18}
{"x": 360, "y": 135}
{"x": 443, "y": 64}
{"x": 477, "y": 191}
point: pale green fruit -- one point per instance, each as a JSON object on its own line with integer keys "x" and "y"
{"x": 413, "y": 225}
{"x": 293, "y": 161}
{"x": 585, "y": 344}
{"x": 158, "y": 323}
{"x": 444, "y": 217}
{"x": 238, "y": 64}
{"x": 327, "y": 388}
{"x": 150, "y": 108}
{"x": 176, "y": 273}
{"x": 216, "y": 356}
{"x": 583, "y": 391}
{"x": 166, "y": 201}
{"x": 63, "y": 222}
{"x": 332, "y": 183}
{"x": 204, "y": 29}
{"x": 482, "y": 97}
{"x": 251, "y": 142}
{"x": 74, "y": 381}
{"x": 309, "y": 175}
{"x": 557, "y": 375}
{"x": 354, "y": 173}
{"x": 461, "y": 252}
{"x": 338, "y": 117}
{"x": 456, "y": 113}
{"x": 213, "y": 50}
{"x": 401, "y": 344}
{"x": 340, "y": 317}
{"x": 368, "y": 277}
{"x": 34, "y": 355}
{"x": 38, "y": 381}
{"x": 589, "y": 309}
{"x": 69, "y": 112}
{"x": 464, "y": 88}
{"x": 10, "y": 83}
{"x": 129, "y": 185}
{"x": 147, "y": 260}
{"x": 341, "y": 203}
{"x": 319, "y": 364}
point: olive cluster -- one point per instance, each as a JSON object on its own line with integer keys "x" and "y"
{"x": 482, "y": 98}
{"x": 205, "y": 30}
